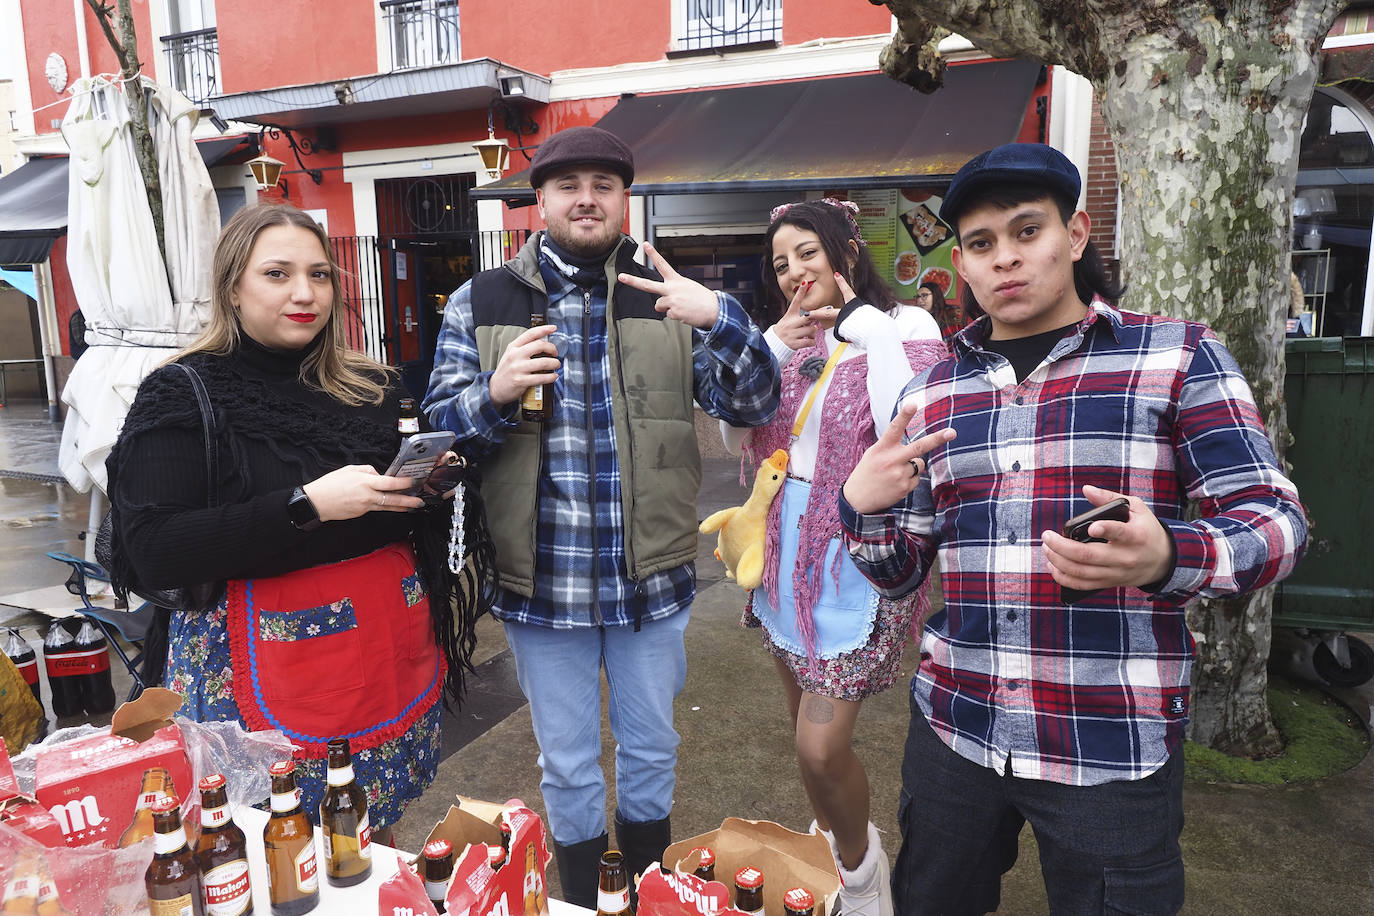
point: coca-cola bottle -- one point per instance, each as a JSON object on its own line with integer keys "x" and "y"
{"x": 97, "y": 690}
{"x": 22, "y": 654}
{"x": 60, "y": 658}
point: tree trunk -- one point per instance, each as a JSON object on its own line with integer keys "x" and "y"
{"x": 1204, "y": 102}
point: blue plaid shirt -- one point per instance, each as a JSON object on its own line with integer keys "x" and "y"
{"x": 1094, "y": 691}
{"x": 581, "y": 576}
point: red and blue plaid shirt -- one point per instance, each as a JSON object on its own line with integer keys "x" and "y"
{"x": 1152, "y": 407}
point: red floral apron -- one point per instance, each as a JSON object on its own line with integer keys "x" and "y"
{"x": 341, "y": 650}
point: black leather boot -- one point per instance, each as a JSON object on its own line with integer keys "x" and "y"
{"x": 641, "y": 844}
{"x": 579, "y": 870}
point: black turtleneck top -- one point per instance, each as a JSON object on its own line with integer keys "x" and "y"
{"x": 273, "y": 433}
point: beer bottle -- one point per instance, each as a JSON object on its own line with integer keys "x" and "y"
{"x": 706, "y": 865}
{"x": 537, "y": 402}
{"x": 21, "y": 890}
{"x": 798, "y": 902}
{"x": 536, "y": 901}
{"x": 49, "y": 903}
{"x": 438, "y": 868}
{"x": 613, "y": 892}
{"x": 289, "y": 842}
{"x": 496, "y": 857}
{"x": 222, "y": 853}
{"x": 97, "y": 690}
{"x": 59, "y": 657}
{"x": 172, "y": 878}
{"x": 343, "y": 821}
{"x": 24, "y": 658}
{"x": 157, "y": 783}
{"x": 749, "y": 890}
{"x": 408, "y": 424}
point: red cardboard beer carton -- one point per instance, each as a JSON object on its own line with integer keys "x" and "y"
{"x": 786, "y": 858}
{"x": 91, "y": 785}
{"x": 21, "y": 812}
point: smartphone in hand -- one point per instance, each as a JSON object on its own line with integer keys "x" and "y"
{"x": 418, "y": 456}
{"x": 1118, "y": 510}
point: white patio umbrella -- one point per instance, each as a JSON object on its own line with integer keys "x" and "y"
{"x": 134, "y": 320}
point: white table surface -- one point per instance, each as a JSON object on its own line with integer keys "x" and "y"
{"x": 358, "y": 900}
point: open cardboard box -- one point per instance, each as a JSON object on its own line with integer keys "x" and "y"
{"x": 91, "y": 785}
{"x": 787, "y": 859}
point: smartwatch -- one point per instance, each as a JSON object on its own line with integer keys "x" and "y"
{"x": 302, "y": 511}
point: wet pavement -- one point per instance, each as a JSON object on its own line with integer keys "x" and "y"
{"x": 1294, "y": 850}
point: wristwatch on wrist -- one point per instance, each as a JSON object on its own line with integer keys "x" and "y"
{"x": 302, "y": 511}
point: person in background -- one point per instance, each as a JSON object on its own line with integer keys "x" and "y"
{"x": 946, "y": 314}
{"x": 338, "y": 615}
{"x": 842, "y": 339}
{"x": 597, "y": 534}
{"x": 1064, "y": 710}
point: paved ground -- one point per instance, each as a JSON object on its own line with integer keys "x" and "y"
{"x": 1298, "y": 850}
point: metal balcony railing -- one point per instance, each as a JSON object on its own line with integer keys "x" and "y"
{"x": 423, "y": 33}
{"x": 725, "y": 23}
{"x": 193, "y": 58}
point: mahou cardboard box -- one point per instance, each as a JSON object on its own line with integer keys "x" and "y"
{"x": 22, "y": 813}
{"x": 91, "y": 785}
{"x": 787, "y": 859}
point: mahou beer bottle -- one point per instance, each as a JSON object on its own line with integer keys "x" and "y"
{"x": 59, "y": 657}
{"x": 343, "y": 821}
{"x": 97, "y": 690}
{"x": 157, "y": 784}
{"x": 438, "y": 868}
{"x": 536, "y": 901}
{"x": 21, "y": 653}
{"x": 172, "y": 878}
{"x": 749, "y": 890}
{"x": 21, "y": 889}
{"x": 706, "y": 866}
{"x": 289, "y": 841}
{"x": 613, "y": 892}
{"x": 222, "y": 853}
{"x": 537, "y": 402}
{"x": 798, "y": 902}
{"x": 408, "y": 424}
{"x": 49, "y": 902}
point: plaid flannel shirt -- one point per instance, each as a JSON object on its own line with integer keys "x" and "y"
{"x": 735, "y": 379}
{"x": 1152, "y": 407}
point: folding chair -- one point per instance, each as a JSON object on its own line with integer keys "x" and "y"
{"x": 131, "y": 625}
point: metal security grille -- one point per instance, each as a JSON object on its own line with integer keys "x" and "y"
{"x": 193, "y": 59}
{"x": 495, "y": 248}
{"x": 418, "y": 207}
{"x": 360, "y": 264}
{"x": 725, "y": 23}
{"x": 424, "y": 33}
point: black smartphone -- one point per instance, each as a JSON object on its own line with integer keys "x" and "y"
{"x": 1118, "y": 510}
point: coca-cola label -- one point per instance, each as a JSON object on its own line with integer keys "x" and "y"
{"x": 227, "y": 890}
{"x": 307, "y": 873}
{"x": 30, "y": 671}
{"x": 77, "y": 663}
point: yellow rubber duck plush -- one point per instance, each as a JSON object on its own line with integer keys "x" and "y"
{"x": 743, "y": 529}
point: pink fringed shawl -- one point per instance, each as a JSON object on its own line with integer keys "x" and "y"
{"x": 846, "y": 431}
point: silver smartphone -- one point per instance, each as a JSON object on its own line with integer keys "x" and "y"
{"x": 418, "y": 456}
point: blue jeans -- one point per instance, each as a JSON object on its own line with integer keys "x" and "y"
{"x": 560, "y": 674}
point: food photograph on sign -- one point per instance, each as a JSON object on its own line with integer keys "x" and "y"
{"x": 909, "y": 241}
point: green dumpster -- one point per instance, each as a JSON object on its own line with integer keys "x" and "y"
{"x": 1329, "y": 389}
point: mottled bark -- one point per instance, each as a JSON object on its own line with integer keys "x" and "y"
{"x": 125, "y": 45}
{"x": 1204, "y": 101}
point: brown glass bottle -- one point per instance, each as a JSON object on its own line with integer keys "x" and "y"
{"x": 49, "y": 903}
{"x": 798, "y": 902}
{"x": 613, "y": 892}
{"x": 21, "y": 889}
{"x": 289, "y": 842}
{"x": 437, "y": 858}
{"x": 536, "y": 901}
{"x": 706, "y": 865}
{"x": 536, "y": 403}
{"x": 749, "y": 890}
{"x": 172, "y": 878}
{"x": 408, "y": 422}
{"x": 157, "y": 783}
{"x": 222, "y": 854}
{"x": 343, "y": 821}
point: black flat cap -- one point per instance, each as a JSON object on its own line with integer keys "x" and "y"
{"x": 582, "y": 146}
{"x": 1021, "y": 163}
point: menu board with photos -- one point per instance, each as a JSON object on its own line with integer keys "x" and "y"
{"x": 907, "y": 239}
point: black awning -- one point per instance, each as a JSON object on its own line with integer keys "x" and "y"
{"x": 843, "y": 132}
{"x": 33, "y": 210}
{"x": 33, "y": 198}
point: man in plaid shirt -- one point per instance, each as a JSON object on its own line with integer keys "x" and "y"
{"x": 593, "y": 510}
{"x": 1029, "y": 705}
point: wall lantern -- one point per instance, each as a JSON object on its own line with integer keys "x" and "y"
{"x": 266, "y": 171}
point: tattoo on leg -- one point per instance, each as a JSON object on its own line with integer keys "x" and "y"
{"x": 819, "y": 710}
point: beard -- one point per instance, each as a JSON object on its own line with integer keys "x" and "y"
{"x": 582, "y": 244}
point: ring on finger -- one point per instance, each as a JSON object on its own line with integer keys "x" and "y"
{"x": 383, "y": 499}
{"x": 915, "y": 467}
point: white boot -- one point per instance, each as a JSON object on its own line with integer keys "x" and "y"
{"x": 829, "y": 838}
{"x": 867, "y": 890}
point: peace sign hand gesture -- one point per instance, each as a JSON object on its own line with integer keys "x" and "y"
{"x": 679, "y": 297}
{"x": 890, "y": 468}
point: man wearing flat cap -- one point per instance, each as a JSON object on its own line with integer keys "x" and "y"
{"x": 593, "y": 510}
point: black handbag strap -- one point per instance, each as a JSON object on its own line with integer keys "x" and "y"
{"x": 207, "y": 417}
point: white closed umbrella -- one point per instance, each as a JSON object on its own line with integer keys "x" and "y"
{"x": 134, "y": 321}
